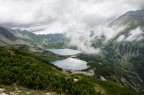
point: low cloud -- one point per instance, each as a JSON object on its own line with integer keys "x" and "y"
{"x": 36, "y": 13}
{"x": 75, "y": 18}
{"x": 83, "y": 38}
{"x": 134, "y": 35}
{"x": 121, "y": 38}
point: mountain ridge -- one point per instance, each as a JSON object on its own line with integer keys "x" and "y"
{"x": 119, "y": 62}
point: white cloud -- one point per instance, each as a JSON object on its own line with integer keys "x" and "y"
{"x": 74, "y": 17}
{"x": 33, "y": 13}
{"x": 135, "y": 35}
{"x": 121, "y": 38}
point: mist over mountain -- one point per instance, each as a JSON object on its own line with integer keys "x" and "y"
{"x": 130, "y": 18}
{"x": 113, "y": 53}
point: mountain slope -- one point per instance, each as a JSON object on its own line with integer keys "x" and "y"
{"x": 43, "y": 41}
{"x": 15, "y": 36}
{"x": 126, "y": 55}
{"x": 30, "y": 71}
{"x": 7, "y": 34}
{"x": 120, "y": 63}
{"x": 121, "y": 58}
{"x": 131, "y": 18}
{"x": 7, "y": 38}
{"x": 27, "y": 70}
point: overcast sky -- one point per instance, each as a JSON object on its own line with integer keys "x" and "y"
{"x": 57, "y": 16}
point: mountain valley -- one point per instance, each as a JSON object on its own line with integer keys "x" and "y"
{"x": 118, "y": 67}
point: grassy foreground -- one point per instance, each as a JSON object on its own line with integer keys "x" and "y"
{"x": 25, "y": 71}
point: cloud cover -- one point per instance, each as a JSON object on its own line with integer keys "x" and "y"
{"x": 76, "y": 18}
{"x": 51, "y": 16}
{"x": 134, "y": 35}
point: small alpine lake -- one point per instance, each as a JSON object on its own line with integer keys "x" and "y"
{"x": 64, "y": 52}
{"x": 69, "y": 63}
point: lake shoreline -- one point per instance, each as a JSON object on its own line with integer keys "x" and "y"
{"x": 70, "y": 62}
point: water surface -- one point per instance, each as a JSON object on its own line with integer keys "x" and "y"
{"x": 71, "y": 64}
{"x": 64, "y": 51}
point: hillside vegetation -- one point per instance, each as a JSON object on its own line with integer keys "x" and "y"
{"x": 27, "y": 70}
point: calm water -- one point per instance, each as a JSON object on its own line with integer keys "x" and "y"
{"x": 64, "y": 51}
{"x": 71, "y": 64}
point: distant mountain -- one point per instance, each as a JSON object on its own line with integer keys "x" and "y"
{"x": 130, "y": 18}
{"x": 121, "y": 62}
{"x": 7, "y": 34}
{"x": 7, "y": 38}
{"x": 29, "y": 38}
{"x": 43, "y": 41}
{"x": 126, "y": 50}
